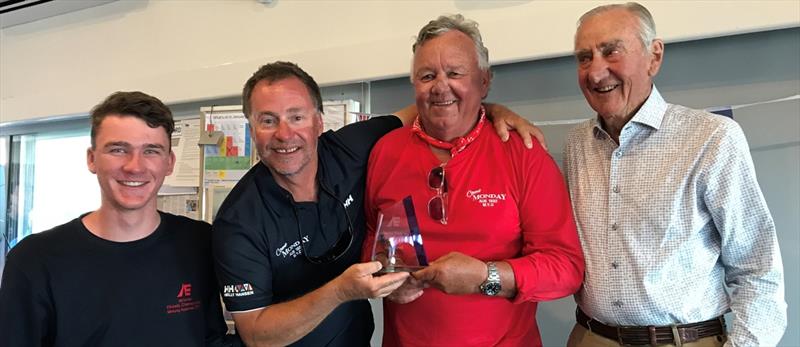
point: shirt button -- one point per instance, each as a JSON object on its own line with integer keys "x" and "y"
{"x": 619, "y": 154}
{"x": 615, "y": 189}
{"x": 614, "y": 226}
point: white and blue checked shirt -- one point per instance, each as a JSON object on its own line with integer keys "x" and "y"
{"x": 670, "y": 217}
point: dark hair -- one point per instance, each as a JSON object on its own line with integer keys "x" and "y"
{"x": 278, "y": 71}
{"x": 133, "y": 104}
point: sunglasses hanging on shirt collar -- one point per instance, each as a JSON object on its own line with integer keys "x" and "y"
{"x": 343, "y": 242}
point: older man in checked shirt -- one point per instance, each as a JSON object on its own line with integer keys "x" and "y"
{"x": 667, "y": 205}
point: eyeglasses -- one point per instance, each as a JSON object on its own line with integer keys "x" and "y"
{"x": 437, "y": 205}
{"x": 343, "y": 242}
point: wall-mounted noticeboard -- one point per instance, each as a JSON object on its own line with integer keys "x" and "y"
{"x": 226, "y": 154}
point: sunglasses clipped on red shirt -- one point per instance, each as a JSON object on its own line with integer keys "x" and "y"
{"x": 437, "y": 205}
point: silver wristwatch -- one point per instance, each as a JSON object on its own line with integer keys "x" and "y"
{"x": 491, "y": 286}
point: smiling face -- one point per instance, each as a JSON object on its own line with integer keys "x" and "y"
{"x": 285, "y": 125}
{"x": 130, "y": 160}
{"x": 615, "y": 71}
{"x": 448, "y": 84}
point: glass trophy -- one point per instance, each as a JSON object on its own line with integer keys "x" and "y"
{"x": 398, "y": 243}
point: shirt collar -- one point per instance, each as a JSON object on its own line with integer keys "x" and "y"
{"x": 457, "y": 145}
{"x": 652, "y": 111}
{"x": 650, "y": 114}
{"x": 281, "y": 200}
{"x": 272, "y": 195}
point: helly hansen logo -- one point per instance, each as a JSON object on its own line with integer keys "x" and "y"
{"x": 348, "y": 201}
{"x": 236, "y": 290}
{"x": 186, "y": 290}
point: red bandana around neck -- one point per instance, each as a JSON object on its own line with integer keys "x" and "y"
{"x": 458, "y": 144}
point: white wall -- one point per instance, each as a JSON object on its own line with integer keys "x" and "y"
{"x": 189, "y": 50}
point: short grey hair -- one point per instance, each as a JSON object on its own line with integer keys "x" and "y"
{"x": 647, "y": 26}
{"x": 447, "y": 23}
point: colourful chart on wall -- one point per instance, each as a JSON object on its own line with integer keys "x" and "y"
{"x": 229, "y": 159}
{"x": 227, "y": 154}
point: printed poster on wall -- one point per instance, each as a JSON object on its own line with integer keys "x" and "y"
{"x": 229, "y": 159}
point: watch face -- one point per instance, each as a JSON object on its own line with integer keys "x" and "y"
{"x": 491, "y": 288}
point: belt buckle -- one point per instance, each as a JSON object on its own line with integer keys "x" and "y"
{"x": 681, "y": 335}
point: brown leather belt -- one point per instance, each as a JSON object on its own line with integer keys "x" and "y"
{"x": 653, "y": 335}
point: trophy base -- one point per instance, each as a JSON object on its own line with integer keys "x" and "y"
{"x": 399, "y": 268}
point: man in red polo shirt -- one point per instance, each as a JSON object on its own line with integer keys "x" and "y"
{"x": 495, "y": 217}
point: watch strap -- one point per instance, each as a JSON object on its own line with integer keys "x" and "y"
{"x": 491, "y": 286}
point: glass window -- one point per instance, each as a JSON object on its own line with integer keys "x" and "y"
{"x": 55, "y": 185}
{"x": 4, "y": 150}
